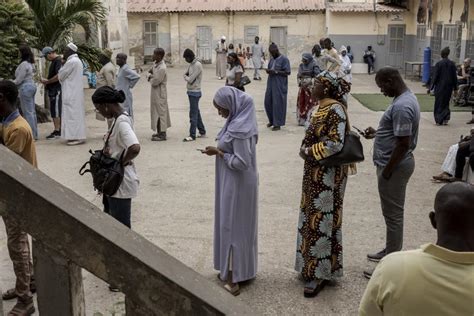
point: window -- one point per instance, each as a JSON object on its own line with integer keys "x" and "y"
{"x": 450, "y": 32}
{"x": 249, "y": 34}
{"x": 150, "y": 34}
{"x": 470, "y": 42}
{"x": 421, "y": 32}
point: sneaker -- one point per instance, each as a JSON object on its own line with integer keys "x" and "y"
{"x": 159, "y": 138}
{"x": 54, "y": 135}
{"x": 368, "y": 273}
{"x": 376, "y": 257}
{"x": 75, "y": 142}
{"x": 276, "y": 128}
{"x": 202, "y": 136}
{"x": 470, "y": 122}
{"x": 189, "y": 139}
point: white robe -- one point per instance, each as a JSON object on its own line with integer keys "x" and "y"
{"x": 73, "y": 121}
{"x": 346, "y": 68}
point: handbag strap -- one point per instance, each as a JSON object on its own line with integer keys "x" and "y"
{"x": 110, "y": 132}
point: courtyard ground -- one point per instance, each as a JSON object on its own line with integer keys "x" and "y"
{"x": 175, "y": 211}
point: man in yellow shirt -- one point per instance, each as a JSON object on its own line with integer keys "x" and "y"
{"x": 16, "y": 134}
{"x": 436, "y": 279}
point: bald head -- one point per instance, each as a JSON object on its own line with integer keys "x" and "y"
{"x": 390, "y": 81}
{"x": 454, "y": 215}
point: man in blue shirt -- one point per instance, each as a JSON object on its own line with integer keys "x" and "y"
{"x": 395, "y": 140}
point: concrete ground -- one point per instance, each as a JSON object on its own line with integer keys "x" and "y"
{"x": 174, "y": 208}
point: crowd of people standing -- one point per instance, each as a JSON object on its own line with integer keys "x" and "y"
{"x": 324, "y": 79}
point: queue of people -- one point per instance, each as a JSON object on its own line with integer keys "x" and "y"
{"x": 323, "y": 81}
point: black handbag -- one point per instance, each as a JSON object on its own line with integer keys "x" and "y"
{"x": 107, "y": 172}
{"x": 352, "y": 151}
{"x": 244, "y": 80}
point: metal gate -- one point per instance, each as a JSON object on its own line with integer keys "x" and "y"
{"x": 278, "y": 35}
{"x": 396, "y": 38}
{"x": 204, "y": 44}
{"x": 150, "y": 37}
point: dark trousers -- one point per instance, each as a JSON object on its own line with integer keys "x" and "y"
{"x": 461, "y": 155}
{"x": 370, "y": 63}
{"x": 392, "y": 197}
{"x": 442, "y": 113}
{"x": 195, "y": 119}
{"x": 120, "y": 209}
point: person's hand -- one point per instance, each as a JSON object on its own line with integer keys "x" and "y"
{"x": 302, "y": 153}
{"x": 44, "y": 81}
{"x": 211, "y": 151}
{"x": 369, "y": 133}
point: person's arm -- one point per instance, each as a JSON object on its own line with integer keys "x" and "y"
{"x": 435, "y": 77}
{"x": 194, "y": 72}
{"x": 336, "y": 135}
{"x": 132, "y": 77}
{"x": 129, "y": 139}
{"x": 21, "y": 73}
{"x": 285, "y": 70}
{"x": 158, "y": 77}
{"x": 109, "y": 76}
{"x": 65, "y": 71}
{"x": 17, "y": 140}
{"x": 238, "y": 76}
{"x": 402, "y": 129}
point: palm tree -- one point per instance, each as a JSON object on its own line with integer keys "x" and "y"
{"x": 56, "y": 20}
{"x": 15, "y": 28}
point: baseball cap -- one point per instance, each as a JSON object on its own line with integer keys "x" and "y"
{"x": 47, "y": 50}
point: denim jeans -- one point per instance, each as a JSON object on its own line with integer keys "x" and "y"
{"x": 195, "y": 119}
{"x": 27, "y": 93}
{"x": 120, "y": 209}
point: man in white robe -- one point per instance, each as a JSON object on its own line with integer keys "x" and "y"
{"x": 346, "y": 67}
{"x": 258, "y": 57}
{"x": 73, "y": 122}
{"x": 221, "y": 58}
{"x": 127, "y": 78}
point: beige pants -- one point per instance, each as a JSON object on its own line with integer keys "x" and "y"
{"x": 19, "y": 250}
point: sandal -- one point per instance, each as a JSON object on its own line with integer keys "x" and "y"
{"x": 313, "y": 288}
{"x": 9, "y": 295}
{"x": 234, "y": 290}
{"x": 23, "y": 308}
{"x": 188, "y": 139}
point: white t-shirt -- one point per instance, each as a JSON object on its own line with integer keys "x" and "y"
{"x": 121, "y": 138}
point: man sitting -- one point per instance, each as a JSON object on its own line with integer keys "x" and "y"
{"x": 464, "y": 74}
{"x": 436, "y": 279}
{"x": 453, "y": 165}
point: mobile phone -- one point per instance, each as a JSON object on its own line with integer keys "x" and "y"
{"x": 361, "y": 132}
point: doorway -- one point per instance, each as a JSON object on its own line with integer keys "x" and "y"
{"x": 278, "y": 35}
{"x": 396, "y": 40}
{"x": 204, "y": 44}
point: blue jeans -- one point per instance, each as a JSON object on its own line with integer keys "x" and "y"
{"x": 195, "y": 119}
{"x": 27, "y": 93}
{"x": 120, "y": 209}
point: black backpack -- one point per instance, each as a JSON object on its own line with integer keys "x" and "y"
{"x": 107, "y": 173}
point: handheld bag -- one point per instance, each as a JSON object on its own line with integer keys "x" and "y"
{"x": 352, "y": 151}
{"x": 107, "y": 173}
{"x": 244, "y": 80}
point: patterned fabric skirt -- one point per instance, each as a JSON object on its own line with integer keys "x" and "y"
{"x": 319, "y": 240}
{"x": 304, "y": 104}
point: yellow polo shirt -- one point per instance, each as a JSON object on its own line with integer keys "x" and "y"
{"x": 18, "y": 137}
{"x": 428, "y": 281}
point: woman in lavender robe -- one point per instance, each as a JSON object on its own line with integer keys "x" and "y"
{"x": 236, "y": 201}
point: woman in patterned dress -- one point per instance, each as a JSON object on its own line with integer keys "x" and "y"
{"x": 319, "y": 241}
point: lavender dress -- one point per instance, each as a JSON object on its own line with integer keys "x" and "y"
{"x": 236, "y": 203}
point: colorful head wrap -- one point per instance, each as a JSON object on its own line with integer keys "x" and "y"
{"x": 336, "y": 86}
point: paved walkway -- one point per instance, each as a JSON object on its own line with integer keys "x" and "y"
{"x": 175, "y": 205}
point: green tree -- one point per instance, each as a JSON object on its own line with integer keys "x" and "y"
{"x": 16, "y": 27}
{"x": 55, "y": 21}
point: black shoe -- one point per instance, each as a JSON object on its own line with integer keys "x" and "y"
{"x": 312, "y": 293}
{"x": 113, "y": 289}
{"x": 376, "y": 257}
{"x": 276, "y": 128}
{"x": 368, "y": 273}
{"x": 54, "y": 135}
{"x": 269, "y": 125}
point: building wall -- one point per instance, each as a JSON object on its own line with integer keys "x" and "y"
{"x": 176, "y": 32}
{"x": 117, "y": 26}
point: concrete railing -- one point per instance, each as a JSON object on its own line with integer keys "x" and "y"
{"x": 70, "y": 233}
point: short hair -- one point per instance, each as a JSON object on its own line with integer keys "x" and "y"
{"x": 122, "y": 55}
{"x": 9, "y": 90}
{"x": 445, "y": 52}
{"x": 189, "y": 53}
{"x": 388, "y": 72}
{"x": 159, "y": 51}
{"x": 256, "y": 37}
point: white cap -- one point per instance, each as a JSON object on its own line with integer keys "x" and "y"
{"x": 223, "y": 37}
{"x": 72, "y": 46}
